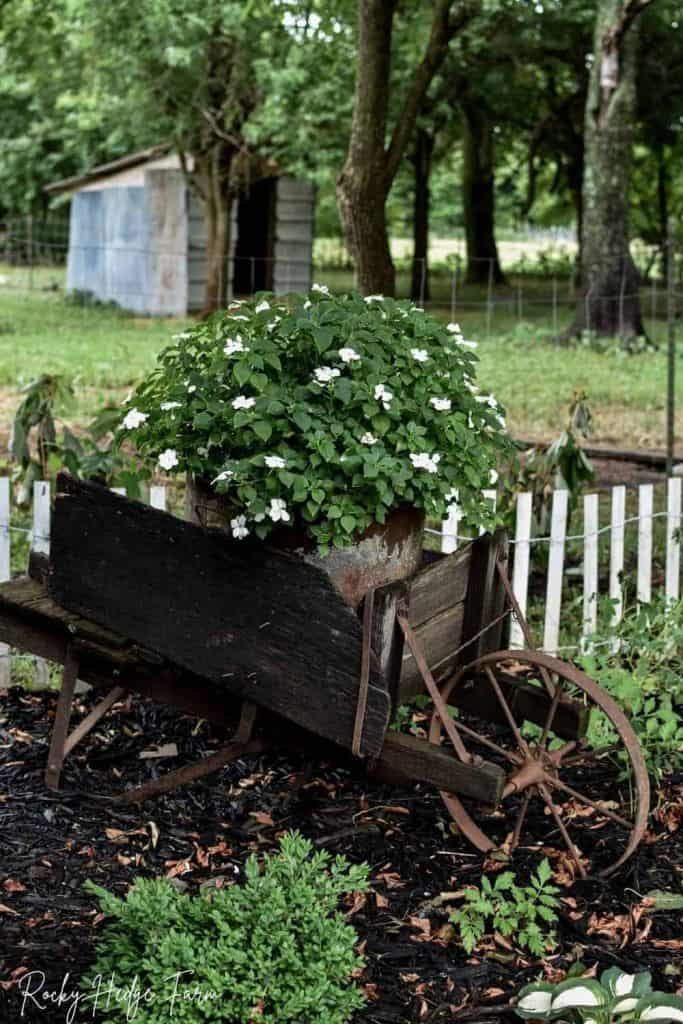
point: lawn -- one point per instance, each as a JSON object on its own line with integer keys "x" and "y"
{"x": 104, "y": 352}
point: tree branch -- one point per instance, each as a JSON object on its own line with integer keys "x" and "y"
{"x": 444, "y": 27}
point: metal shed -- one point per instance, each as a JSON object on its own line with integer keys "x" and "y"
{"x": 137, "y": 235}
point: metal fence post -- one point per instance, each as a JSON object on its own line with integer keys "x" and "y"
{"x": 671, "y": 349}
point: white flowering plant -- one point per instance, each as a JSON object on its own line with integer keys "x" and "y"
{"x": 325, "y": 414}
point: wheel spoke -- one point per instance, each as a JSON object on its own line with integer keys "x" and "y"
{"x": 593, "y": 754}
{"x": 552, "y": 711}
{"x": 574, "y": 853}
{"x": 488, "y": 743}
{"x": 557, "y": 784}
{"x": 520, "y": 819}
{"x": 521, "y": 742}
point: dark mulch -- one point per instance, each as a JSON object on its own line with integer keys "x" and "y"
{"x": 416, "y": 971}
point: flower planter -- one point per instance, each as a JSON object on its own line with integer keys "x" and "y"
{"x": 384, "y": 552}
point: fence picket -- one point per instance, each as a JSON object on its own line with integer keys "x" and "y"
{"x": 645, "y": 500}
{"x": 616, "y": 553}
{"x": 157, "y": 497}
{"x": 5, "y": 571}
{"x": 553, "y": 603}
{"x": 520, "y": 572}
{"x": 673, "y": 543}
{"x": 449, "y": 529}
{"x": 591, "y": 520}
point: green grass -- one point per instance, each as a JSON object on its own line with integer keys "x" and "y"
{"x": 105, "y": 352}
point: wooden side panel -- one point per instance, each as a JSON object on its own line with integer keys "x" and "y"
{"x": 439, "y": 586}
{"x": 485, "y": 596}
{"x": 415, "y": 760}
{"x": 265, "y": 626}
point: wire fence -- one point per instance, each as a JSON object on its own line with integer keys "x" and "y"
{"x": 34, "y": 258}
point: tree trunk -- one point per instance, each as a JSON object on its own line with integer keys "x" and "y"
{"x": 370, "y": 168}
{"x": 424, "y": 148}
{"x": 610, "y": 303}
{"x": 478, "y": 196}
{"x": 212, "y": 175}
{"x": 663, "y": 209}
{"x": 362, "y": 187}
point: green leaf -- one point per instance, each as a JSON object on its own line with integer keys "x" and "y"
{"x": 263, "y": 429}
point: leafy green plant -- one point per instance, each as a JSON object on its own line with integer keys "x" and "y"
{"x": 40, "y": 444}
{"x": 325, "y": 415}
{"x": 563, "y": 465}
{"x": 616, "y": 997}
{"x": 274, "y": 950}
{"x": 643, "y": 671}
{"x": 34, "y": 431}
{"x": 519, "y": 912}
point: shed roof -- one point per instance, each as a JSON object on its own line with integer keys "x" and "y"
{"x": 124, "y": 163}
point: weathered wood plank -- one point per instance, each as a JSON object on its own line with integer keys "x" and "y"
{"x": 268, "y": 627}
{"x": 440, "y": 638}
{"x": 439, "y": 586}
{"x": 418, "y": 760}
{"x": 485, "y": 596}
{"x": 386, "y": 638}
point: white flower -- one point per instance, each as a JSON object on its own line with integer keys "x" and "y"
{"x": 134, "y": 419}
{"x": 441, "y": 404}
{"x": 240, "y": 317}
{"x": 383, "y": 395}
{"x": 536, "y": 1002}
{"x": 454, "y": 328}
{"x": 324, "y": 374}
{"x": 466, "y": 344}
{"x": 165, "y": 406}
{"x": 452, "y": 496}
{"x": 235, "y": 304}
{"x": 275, "y": 462}
{"x": 202, "y": 451}
{"x": 242, "y": 402}
{"x": 192, "y": 388}
{"x": 182, "y": 336}
{"x": 471, "y": 387}
{"x": 423, "y": 460}
{"x": 367, "y": 438}
{"x": 420, "y": 355}
{"x": 272, "y": 324}
{"x": 374, "y": 298}
{"x": 493, "y": 476}
{"x": 278, "y": 510}
{"x": 307, "y": 304}
{"x": 238, "y": 525}
{"x": 224, "y": 475}
{"x": 487, "y": 400}
{"x": 168, "y": 459}
{"x": 348, "y": 355}
{"x": 233, "y": 345}
{"x": 322, "y": 288}
{"x": 262, "y": 307}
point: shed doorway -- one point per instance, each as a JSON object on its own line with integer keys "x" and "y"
{"x": 254, "y": 249}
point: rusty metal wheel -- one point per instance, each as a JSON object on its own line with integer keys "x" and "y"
{"x": 490, "y": 703}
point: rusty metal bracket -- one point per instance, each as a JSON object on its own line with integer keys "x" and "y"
{"x": 241, "y": 745}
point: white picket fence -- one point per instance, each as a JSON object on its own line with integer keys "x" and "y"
{"x": 449, "y": 538}
{"x": 523, "y": 543}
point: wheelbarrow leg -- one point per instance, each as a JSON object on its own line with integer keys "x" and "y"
{"x": 240, "y": 746}
{"x": 62, "y": 717}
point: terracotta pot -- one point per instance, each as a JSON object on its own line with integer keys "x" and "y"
{"x": 382, "y": 553}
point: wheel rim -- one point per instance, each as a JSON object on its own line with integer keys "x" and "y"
{"x": 543, "y": 768}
